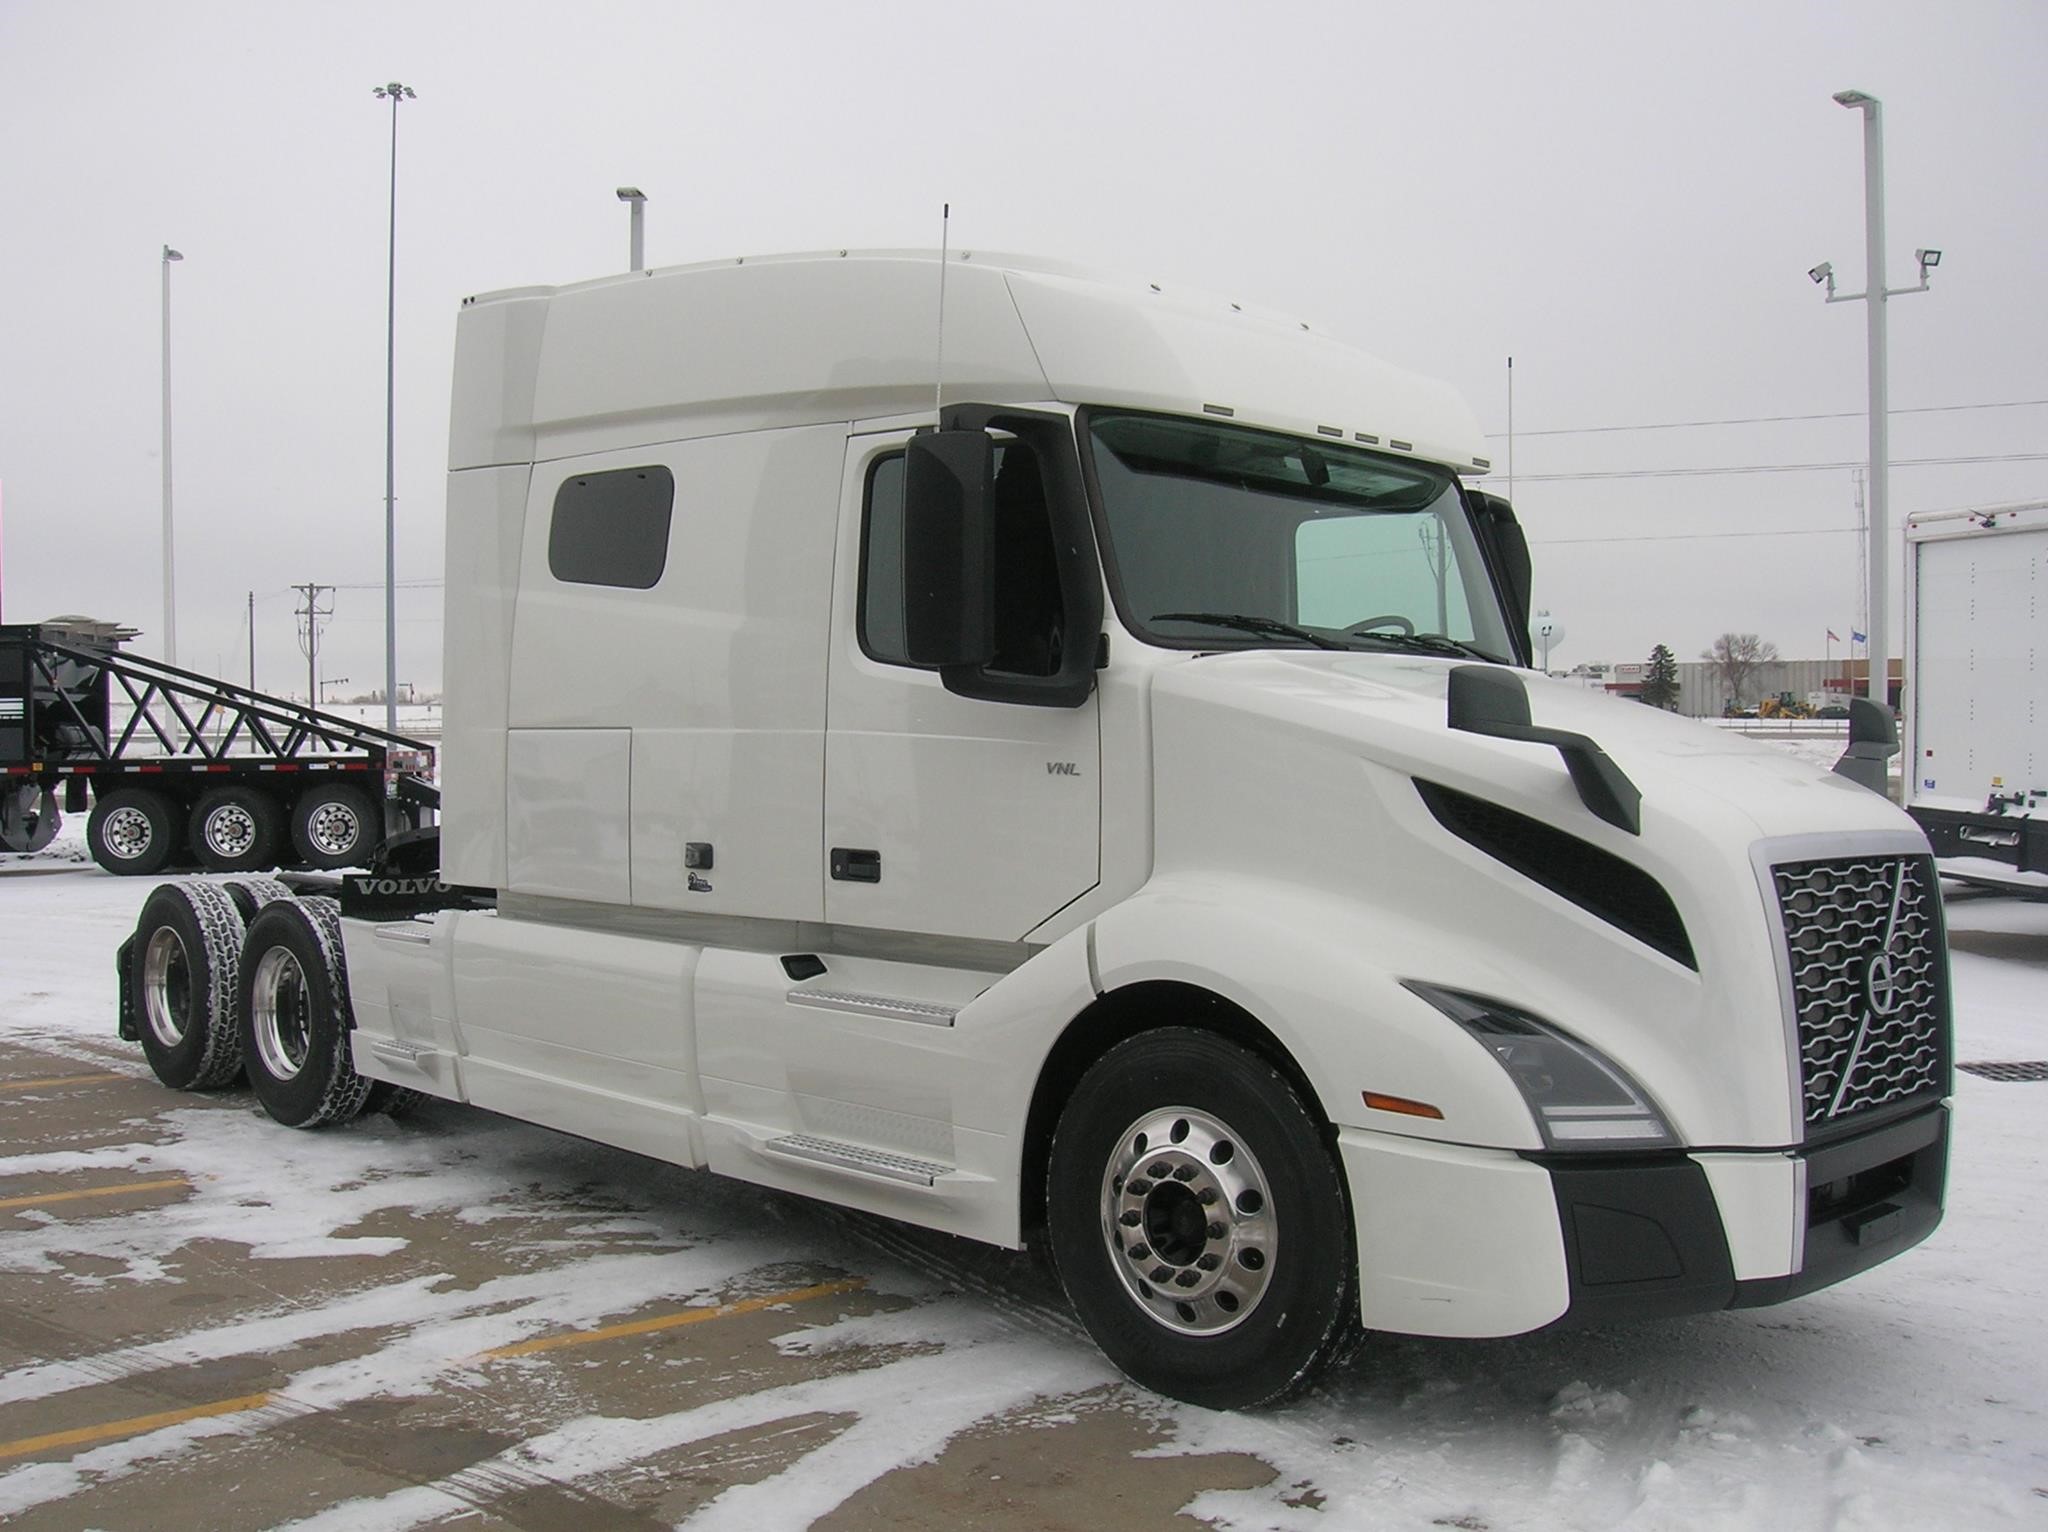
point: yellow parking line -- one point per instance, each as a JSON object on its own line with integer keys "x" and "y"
{"x": 47, "y": 1198}
{"x": 134, "y": 1425}
{"x": 61, "y": 1080}
{"x": 673, "y": 1321}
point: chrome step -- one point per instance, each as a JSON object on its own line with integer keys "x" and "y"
{"x": 875, "y": 1005}
{"x": 874, "y": 1162}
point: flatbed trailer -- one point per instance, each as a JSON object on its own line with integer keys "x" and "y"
{"x": 182, "y": 769}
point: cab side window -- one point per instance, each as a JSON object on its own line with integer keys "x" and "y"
{"x": 1029, "y": 616}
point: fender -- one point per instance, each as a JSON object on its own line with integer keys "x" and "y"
{"x": 1323, "y": 976}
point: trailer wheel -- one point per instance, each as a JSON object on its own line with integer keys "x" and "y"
{"x": 234, "y": 829}
{"x": 1198, "y": 1222}
{"x": 132, "y": 831}
{"x": 295, "y": 1015}
{"x": 185, "y": 956}
{"x": 332, "y": 826}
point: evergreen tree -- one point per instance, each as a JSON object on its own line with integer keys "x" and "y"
{"x": 1660, "y": 680}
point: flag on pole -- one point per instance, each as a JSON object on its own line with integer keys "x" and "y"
{"x": 1857, "y": 638}
{"x": 1834, "y": 637}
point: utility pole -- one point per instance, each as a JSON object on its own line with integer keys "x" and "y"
{"x": 311, "y": 615}
{"x": 394, "y": 93}
{"x": 170, "y": 577}
{"x": 1877, "y": 647}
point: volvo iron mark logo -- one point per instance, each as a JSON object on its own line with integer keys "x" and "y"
{"x": 1881, "y": 985}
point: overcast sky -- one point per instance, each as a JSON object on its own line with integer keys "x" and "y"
{"x": 1624, "y": 197}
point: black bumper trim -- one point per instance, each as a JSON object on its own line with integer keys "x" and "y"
{"x": 1643, "y": 1237}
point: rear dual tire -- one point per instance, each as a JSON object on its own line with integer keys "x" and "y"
{"x": 293, "y": 1010}
{"x": 185, "y": 960}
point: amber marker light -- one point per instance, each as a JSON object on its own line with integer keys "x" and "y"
{"x": 1402, "y": 1105}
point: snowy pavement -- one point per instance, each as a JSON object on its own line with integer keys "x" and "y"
{"x": 356, "y": 1292}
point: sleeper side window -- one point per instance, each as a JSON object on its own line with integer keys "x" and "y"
{"x": 612, "y": 528}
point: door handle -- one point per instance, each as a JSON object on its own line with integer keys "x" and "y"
{"x": 850, "y": 866}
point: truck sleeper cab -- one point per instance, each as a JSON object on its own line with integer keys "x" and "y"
{"x": 1112, "y": 808}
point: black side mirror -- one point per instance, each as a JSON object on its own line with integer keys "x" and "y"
{"x": 949, "y": 581}
{"x": 1511, "y": 555}
{"x": 1873, "y": 741}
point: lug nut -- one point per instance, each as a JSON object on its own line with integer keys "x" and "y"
{"x": 1141, "y": 1252}
{"x": 1217, "y": 1231}
{"x": 1162, "y": 1273}
{"x": 1137, "y": 1188}
{"x": 1131, "y": 1219}
{"x": 1208, "y": 1262}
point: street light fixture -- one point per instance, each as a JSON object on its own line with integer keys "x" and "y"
{"x": 636, "y": 250}
{"x": 1877, "y": 647}
{"x": 394, "y": 93}
{"x": 170, "y": 578}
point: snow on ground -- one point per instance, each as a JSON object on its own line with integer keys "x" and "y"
{"x": 1914, "y": 1396}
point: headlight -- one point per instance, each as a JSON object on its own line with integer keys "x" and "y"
{"x": 1579, "y": 1099}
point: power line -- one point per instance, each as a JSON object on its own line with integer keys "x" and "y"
{"x": 1688, "y": 537}
{"x": 1761, "y": 420}
{"x": 1742, "y": 468}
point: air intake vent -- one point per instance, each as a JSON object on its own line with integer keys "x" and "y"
{"x": 1869, "y": 982}
{"x": 1597, "y": 881}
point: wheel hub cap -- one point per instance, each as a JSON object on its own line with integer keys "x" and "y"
{"x": 1188, "y": 1220}
{"x": 333, "y": 828}
{"x": 230, "y": 831}
{"x": 127, "y": 832}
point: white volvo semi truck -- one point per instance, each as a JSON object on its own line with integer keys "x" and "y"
{"x": 1106, "y": 803}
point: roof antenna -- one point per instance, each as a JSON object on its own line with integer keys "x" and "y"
{"x": 939, "y": 381}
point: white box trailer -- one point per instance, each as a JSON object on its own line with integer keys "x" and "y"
{"x": 1115, "y": 810}
{"x": 1976, "y": 703}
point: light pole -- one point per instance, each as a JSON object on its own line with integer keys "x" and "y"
{"x": 395, "y": 93}
{"x": 1877, "y": 645}
{"x": 637, "y": 250}
{"x": 170, "y": 576}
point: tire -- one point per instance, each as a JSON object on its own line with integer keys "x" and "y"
{"x": 294, "y": 1012}
{"x": 391, "y": 1100}
{"x": 185, "y": 960}
{"x": 1199, "y": 1223}
{"x": 235, "y": 829}
{"x": 334, "y": 825}
{"x": 251, "y": 894}
{"x": 132, "y": 831}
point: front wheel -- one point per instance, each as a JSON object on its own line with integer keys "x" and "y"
{"x": 1199, "y": 1223}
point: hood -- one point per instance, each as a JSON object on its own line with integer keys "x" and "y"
{"x": 1393, "y": 707}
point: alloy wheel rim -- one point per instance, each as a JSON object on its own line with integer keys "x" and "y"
{"x": 166, "y": 986}
{"x": 280, "y": 1009}
{"x": 1188, "y": 1221}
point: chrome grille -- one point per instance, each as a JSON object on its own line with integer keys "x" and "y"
{"x": 1869, "y": 982}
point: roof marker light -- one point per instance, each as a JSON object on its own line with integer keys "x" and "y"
{"x": 1218, "y": 409}
{"x": 1370, "y": 441}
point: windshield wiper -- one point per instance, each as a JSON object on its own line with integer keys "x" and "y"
{"x": 1428, "y": 643}
{"x": 1271, "y": 627}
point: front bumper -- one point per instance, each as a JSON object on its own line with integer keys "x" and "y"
{"x": 1467, "y": 1242}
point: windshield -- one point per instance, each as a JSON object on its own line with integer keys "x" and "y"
{"x": 1223, "y": 536}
